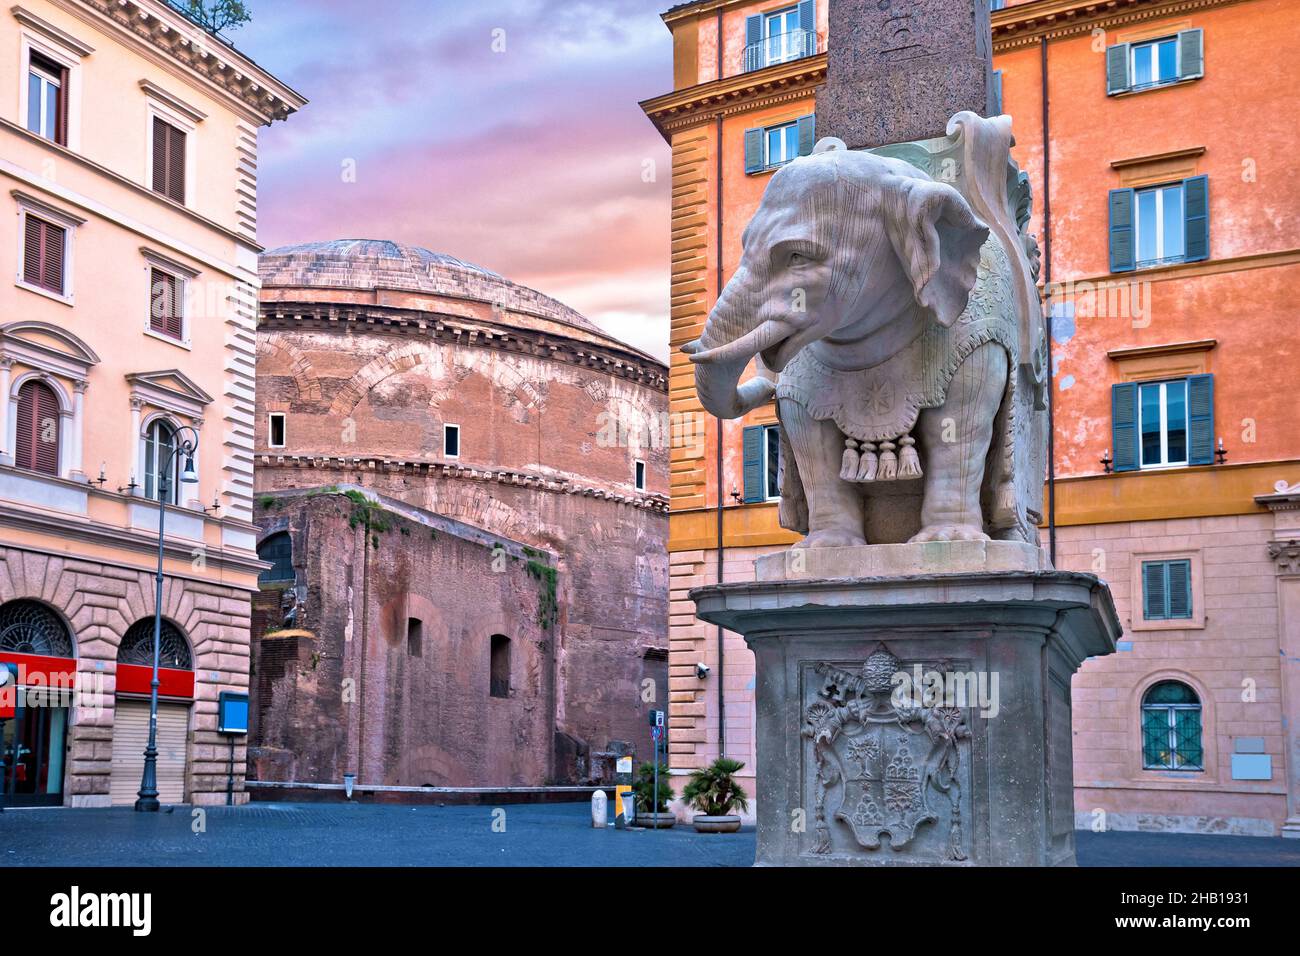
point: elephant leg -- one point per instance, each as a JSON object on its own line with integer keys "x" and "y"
{"x": 956, "y": 437}
{"x": 836, "y": 510}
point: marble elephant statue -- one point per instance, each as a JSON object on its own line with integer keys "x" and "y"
{"x": 890, "y": 299}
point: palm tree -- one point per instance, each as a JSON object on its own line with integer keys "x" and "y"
{"x": 713, "y": 791}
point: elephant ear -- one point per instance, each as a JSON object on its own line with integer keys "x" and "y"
{"x": 937, "y": 238}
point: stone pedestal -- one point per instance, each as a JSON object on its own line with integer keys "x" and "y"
{"x": 966, "y": 761}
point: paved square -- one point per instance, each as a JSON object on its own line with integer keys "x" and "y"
{"x": 284, "y": 834}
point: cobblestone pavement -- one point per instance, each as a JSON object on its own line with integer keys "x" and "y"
{"x": 279, "y": 834}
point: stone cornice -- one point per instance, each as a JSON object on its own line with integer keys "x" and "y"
{"x": 434, "y": 469}
{"x": 743, "y": 92}
{"x": 287, "y": 316}
{"x": 1028, "y": 23}
{"x": 188, "y": 50}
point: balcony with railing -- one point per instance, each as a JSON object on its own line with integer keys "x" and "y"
{"x": 781, "y": 48}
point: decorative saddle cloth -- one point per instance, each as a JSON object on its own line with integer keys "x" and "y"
{"x": 876, "y": 408}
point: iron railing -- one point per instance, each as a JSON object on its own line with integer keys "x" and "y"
{"x": 780, "y": 48}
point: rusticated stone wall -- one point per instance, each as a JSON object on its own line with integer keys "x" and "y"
{"x": 99, "y": 602}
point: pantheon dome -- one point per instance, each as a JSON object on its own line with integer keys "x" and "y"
{"x": 514, "y": 455}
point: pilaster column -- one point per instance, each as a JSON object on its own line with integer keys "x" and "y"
{"x": 133, "y": 453}
{"x": 1287, "y": 555}
{"x": 6, "y": 371}
{"x": 75, "y": 471}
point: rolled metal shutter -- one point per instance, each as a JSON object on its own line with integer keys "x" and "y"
{"x": 131, "y": 733}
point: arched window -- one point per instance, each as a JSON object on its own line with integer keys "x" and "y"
{"x": 29, "y": 627}
{"x": 500, "y": 666}
{"x": 137, "y": 646}
{"x": 1171, "y": 728}
{"x": 36, "y": 441}
{"x": 160, "y": 462}
{"x": 278, "y": 549}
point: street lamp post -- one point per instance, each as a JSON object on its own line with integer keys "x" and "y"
{"x": 147, "y": 798}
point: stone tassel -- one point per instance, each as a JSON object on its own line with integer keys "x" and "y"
{"x": 888, "y": 462}
{"x": 909, "y": 463}
{"x": 849, "y": 463}
{"x": 867, "y": 463}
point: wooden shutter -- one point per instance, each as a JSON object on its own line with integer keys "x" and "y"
{"x": 164, "y": 303}
{"x": 61, "y": 120}
{"x": 754, "y": 58}
{"x": 1200, "y": 419}
{"x": 997, "y": 93}
{"x": 43, "y": 254}
{"x": 808, "y": 24}
{"x": 1191, "y": 57}
{"x": 1123, "y": 426}
{"x": 753, "y": 458}
{"x": 1117, "y": 58}
{"x": 168, "y": 160}
{"x": 1179, "y": 588}
{"x": 753, "y": 151}
{"x": 36, "y": 440}
{"x": 1196, "y": 218}
{"x": 1154, "y": 593}
{"x": 807, "y": 134}
{"x": 1123, "y": 251}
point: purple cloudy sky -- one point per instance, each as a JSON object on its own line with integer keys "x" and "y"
{"x": 531, "y": 162}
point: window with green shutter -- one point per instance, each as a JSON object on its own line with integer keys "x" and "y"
{"x": 1163, "y": 424}
{"x": 1133, "y": 67}
{"x": 767, "y": 147}
{"x": 762, "y": 463}
{"x": 1167, "y": 590}
{"x": 1159, "y": 225}
{"x": 1171, "y": 728}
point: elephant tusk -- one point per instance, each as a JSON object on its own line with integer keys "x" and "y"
{"x": 746, "y": 347}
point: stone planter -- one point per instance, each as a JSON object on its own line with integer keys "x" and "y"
{"x": 655, "y": 821}
{"x": 705, "y": 824}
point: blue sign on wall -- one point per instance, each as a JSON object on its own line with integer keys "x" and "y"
{"x": 232, "y": 713}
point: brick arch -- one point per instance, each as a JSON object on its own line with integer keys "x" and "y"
{"x": 301, "y": 369}
{"x": 480, "y": 509}
{"x": 375, "y": 371}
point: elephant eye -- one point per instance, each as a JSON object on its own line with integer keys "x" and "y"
{"x": 797, "y": 260}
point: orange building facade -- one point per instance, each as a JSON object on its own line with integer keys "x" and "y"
{"x": 1170, "y": 253}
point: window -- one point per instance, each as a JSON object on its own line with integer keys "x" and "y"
{"x": 1160, "y": 225}
{"x": 36, "y": 439}
{"x": 500, "y": 666}
{"x": 137, "y": 646}
{"x": 1171, "y": 728}
{"x": 47, "y": 98}
{"x": 278, "y": 549}
{"x": 160, "y": 482}
{"x": 1167, "y": 590}
{"x": 1163, "y": 424}
{"x": 451, "y": 441}
{"x": 44, "y": 252}
{"x": 414, "y": 637}
{"x": 168, "y": 160}
{"x": 275, "y": 429}
{"x": 768, "y": 147}
{"x": 1132, "y": 67}
{"x": 166, "y": 298}
{"x": 779, "y": 36}
{"x": 639, "y": 477}
{"x": 762, "y": 460}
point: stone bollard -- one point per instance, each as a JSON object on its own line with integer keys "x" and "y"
{"x": 599, "y": 810}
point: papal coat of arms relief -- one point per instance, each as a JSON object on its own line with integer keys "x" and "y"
{"x": 884, "y": 764}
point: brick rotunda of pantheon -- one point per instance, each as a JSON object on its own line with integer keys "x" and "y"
{"x": 461, "y": 485}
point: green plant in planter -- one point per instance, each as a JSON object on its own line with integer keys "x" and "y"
{"x": 644, "y": 788}
{"x": 713, "y": 791}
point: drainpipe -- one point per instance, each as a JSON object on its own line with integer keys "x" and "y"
{"x": 721, "y": 655}
{"x": 1047, "y": 281}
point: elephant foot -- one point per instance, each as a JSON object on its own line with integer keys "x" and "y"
{"x": 832, "y": 538}
{"x": 949, "y": 532}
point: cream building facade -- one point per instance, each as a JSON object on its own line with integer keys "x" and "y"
{"x": 129, "y": 170}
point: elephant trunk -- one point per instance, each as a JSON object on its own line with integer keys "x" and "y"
{"x": 718, "y": 367}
